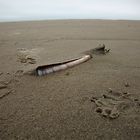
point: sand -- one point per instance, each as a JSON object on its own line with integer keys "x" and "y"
{"x": 99, "y": 99}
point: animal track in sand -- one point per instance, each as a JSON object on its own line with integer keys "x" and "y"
{"x": 7, "y": 83}
{"x": 4, "y": 89}
{"x": 112, "y": 104}
{"x": 28, "y": 56}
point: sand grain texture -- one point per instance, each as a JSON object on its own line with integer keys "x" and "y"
{"x": 58, "y": 106}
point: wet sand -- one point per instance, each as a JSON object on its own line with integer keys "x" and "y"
{"x": 99, "y": 99}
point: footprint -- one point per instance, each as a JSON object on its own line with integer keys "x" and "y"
{"x": 6, "y": 87}
{"x": 27, "y": 56}
{"x": 108, "y": 112}
{"x": 112, "y": 104}
{"x": 4, "y": 90}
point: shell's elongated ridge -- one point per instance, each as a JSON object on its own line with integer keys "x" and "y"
{"x": 47, "y": 69}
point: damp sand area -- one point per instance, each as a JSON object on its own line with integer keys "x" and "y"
{"x": 98, "y": 99}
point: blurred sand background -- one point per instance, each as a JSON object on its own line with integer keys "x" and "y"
{"x": 59, "y": 106}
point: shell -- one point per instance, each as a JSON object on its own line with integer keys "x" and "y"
{"x": 45, "y": 70}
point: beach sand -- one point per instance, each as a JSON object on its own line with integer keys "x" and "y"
{"x": 99, "y": 99}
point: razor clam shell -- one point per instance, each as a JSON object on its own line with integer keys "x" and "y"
{"x": 63, "y": 66}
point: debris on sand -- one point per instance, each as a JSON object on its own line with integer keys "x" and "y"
{"x": 99, "y": 50}
{"x": 47, "y": 69}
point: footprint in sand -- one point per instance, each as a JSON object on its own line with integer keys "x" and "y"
{"x": 4, "y": 89}
{"x": 27, "y": 56}
{"x": 112, "y": 104}
{"x": 7, "y": 84}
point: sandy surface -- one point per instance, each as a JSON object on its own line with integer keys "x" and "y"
{"x": 99, "y": 99}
